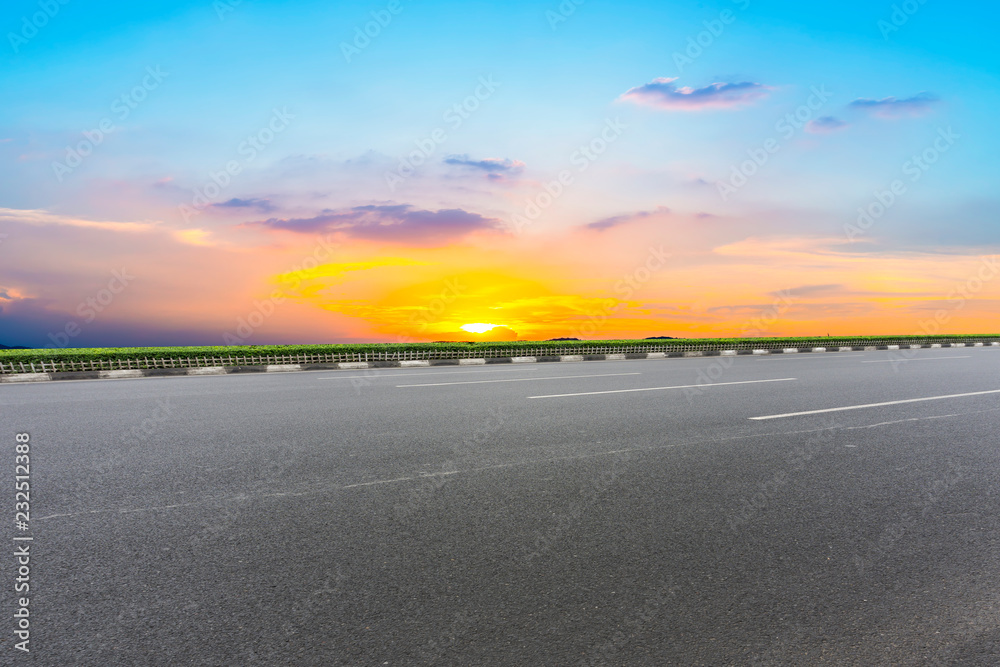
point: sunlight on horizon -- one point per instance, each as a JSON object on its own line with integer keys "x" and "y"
{"x": 479, "y": 327}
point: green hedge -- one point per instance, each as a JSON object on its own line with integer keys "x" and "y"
{"x": 95, "y": 354}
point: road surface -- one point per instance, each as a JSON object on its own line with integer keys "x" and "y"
{"x": 704, "y": 511}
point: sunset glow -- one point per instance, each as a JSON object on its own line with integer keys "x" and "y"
{"x": 761, "y": 186}
{"x": 478, "y": 328}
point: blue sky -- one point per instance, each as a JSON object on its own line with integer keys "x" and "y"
{"x": 561, "y": 73}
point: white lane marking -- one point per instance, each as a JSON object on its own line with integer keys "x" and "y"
{"x": 557, "y": 377}
{"x": 918, "y": 419}
{"x": 498, "y": 466}
{"x": 901, "y": 421}
{"x": 682, "y": 386}
{"x": 118, "y": 511}
{"x": 810, "y": 355}
{"x": 401, "y": 479}
{"x": 890, "y": 361}
{"x": 513, "y": 464}
{"x": 415, "y": 373}
{"x": 876, "y": 405}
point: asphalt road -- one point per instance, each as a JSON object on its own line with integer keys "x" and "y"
{"x": 541, "y": 514}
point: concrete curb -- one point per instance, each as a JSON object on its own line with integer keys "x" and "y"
{"x": 367, "y": 365}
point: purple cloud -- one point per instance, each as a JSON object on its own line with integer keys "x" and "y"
{"x": 390, "y": 222}
{"x": 262, "y": 205}
{"x": 890, "y": 107}
{"x": 608, "y": 223}
{"x": 809, "y": 290}
{"x": 825, "y": 125}
{"x": 491, "y": 165}
{"x": 663, "y": 94}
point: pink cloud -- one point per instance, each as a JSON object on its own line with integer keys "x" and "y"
{"x": 891, "y": 107}
{"x": 662, "y": 93}
{"x": 825, "y": 125}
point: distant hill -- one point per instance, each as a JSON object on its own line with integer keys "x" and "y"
{"x": 558, "y": 339}
{"x": 13, "y": 347}
{"x": 662, "y": 338}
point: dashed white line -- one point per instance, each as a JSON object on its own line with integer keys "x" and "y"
{"x": 896, "y": 361}
{"x": 901, "y": 421}
{"x": 876, "y": 405}
{"x": 557, "y": 377}
{"x": 413, "y": 373}
{"x": 401, "y": 479}
{"x": 682, "y": 386}
{"x": 809, "y": 355}
{"x": 513, "y": 464}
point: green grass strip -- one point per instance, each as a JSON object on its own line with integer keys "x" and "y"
{"x": 443, "y": 350}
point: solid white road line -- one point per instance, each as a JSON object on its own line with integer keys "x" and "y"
{"x": 876, "y": 405}
{"x": 410, "y": 374}
{"x": 810, "y": 355}
{"x": 891, "y": 361}
{"x": 682, "y": 386}
{"x": 558, "y": 377}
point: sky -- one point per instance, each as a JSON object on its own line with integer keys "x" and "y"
{"x": 253, "y": 172}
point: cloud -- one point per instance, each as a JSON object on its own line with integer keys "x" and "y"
{"x": 808, "y": 290}
{"x": 608, "y": 223}
{"x": 890, "y": 107}
{"x": 825, "y": 125}
{"x": 198, "y": 237}
{"x": 41, "y": 218}
{"x": 337, "y": 270}
{"x": 497, "y": 333}
{"x": 262, "y": 205}
{"x": 491, "y": 165}
{"x": 390, "y": 222}
{"x": 663, "y": 94}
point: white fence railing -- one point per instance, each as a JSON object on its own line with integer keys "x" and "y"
{"x": 137, "y": 363}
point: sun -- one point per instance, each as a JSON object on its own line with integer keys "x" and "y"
{"x": 479, "y": 327}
